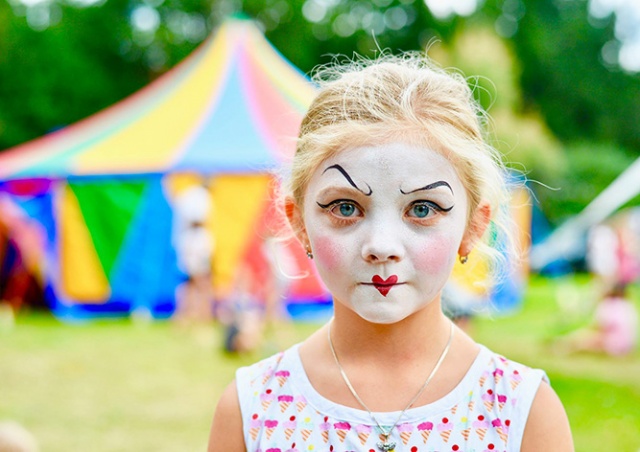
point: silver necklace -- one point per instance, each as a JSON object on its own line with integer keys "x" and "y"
{"x": 386, "y": 445}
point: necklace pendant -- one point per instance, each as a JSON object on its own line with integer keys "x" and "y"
{"x": 386, "y": 447}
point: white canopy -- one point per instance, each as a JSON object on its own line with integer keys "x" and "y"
{"x": 568, "y": 241}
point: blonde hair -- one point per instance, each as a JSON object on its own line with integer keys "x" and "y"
{"x": 403, "y": 98}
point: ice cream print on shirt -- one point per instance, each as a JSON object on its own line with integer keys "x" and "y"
{"x": 282, "y": 412}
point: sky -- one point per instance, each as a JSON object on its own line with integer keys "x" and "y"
{"x": 627, "y": 29}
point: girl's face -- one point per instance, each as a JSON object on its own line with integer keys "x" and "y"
{"x": 385, "y": 223}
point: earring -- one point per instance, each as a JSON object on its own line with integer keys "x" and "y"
{"x": 464, "y": 259}
{"x": 309, "y": 252}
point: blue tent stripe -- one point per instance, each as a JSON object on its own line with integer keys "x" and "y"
{"x": 145, "y": 274}
{"x": 227, "y": 140}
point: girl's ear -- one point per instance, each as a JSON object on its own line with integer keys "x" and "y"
{"x": 294, "y": 215}
{"x": 480, "y": 220}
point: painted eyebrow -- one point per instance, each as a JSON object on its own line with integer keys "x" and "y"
{"x": 351, "y": 182}
{"x": 440, "y": 183}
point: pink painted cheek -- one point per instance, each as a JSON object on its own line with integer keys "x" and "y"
{"x": 433, "y": 259}
{"x": 326, "y": 252}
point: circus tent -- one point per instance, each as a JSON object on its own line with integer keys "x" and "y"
{"x": 103, "y": 189}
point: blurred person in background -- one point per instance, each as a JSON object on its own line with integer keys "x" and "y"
{"x": 242, "y": 314}
{"x": 15, "y": 438}
{"x": 195, "y": 249}
{"x": 613, "y": 330}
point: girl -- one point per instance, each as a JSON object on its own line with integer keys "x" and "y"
{"x": 391, "y": 182}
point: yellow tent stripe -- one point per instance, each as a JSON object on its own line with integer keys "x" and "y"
{"x": 82, "y": 276}
{"x": 239, "y": 202}
{"x": 137, "y": 146}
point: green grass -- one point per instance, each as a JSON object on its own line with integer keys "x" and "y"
{"x": 601, "y": 394}
{"x": 119, "y": 386}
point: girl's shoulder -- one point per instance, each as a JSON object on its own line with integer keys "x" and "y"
{"x": 265, "y": 380}
{"x": 500, "y": 395}
{"x": 274, "y": 366}
{"x": 497, "y": 377}
{"x": 499, "y": 366}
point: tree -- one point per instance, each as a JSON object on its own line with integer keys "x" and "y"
{"x": 83, "y": 62}
{"x": 563, "y": 74}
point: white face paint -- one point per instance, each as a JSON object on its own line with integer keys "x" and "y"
{"x": 385, "y": 223}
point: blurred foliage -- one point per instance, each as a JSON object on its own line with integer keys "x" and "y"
{"x": 522, "y": 136}
{"x": 344, "y": 27}
{"x": 52, "y": 78}
{"x": 565, "y": 76}
{"x": 542, "y": 74}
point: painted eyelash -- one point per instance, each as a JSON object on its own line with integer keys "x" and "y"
{"x": 334, "y": 203}
{"x": 432, "y": 205}
{"x": 428, "y": 203}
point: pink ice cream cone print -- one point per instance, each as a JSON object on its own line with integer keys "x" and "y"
{"x": 284, "y": 401}
{"x": 342, "y": 428}
{"x": 481, "y": 426}
{"x": 282, "y": 376}
{"x": 515, "y": 379}
{"x": 324, "y": 429}
{"x": 274, "y": 449}
{"x": 293, "y": 448}
{"x": 488, "y": 399}
{"x": 445, "y": 428}
{"x": 497, "y": 375}
{"x": 425, "y": 430}
{"x": 267, "y": 375}
{"x": 502, "y": 400}
{"x": 363, "y": 432}
{"x": 405, "y": 432}
{"x": 266, "y": 398}
{"x": 289, "y": 427}
{"x": 270, "y": 426}
{"x": 483, "y": 377}
{"x": 255, "y": 424}
{"x": 497, "y": 424}
{"x": 300, "y": 402}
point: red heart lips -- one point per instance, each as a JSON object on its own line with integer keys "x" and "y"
{"x": 384, "y": 285}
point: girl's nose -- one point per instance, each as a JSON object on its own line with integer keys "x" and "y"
{"x": 382, "y": 244}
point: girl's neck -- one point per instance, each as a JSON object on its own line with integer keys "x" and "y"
{"x": 421, "y": 335}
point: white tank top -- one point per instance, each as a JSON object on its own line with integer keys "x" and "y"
{"x": 486, "y": 412}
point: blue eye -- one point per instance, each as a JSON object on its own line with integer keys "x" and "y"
{"x": 344, "y": 209}
{"x": 347, "y": 210}
{"x": 420, "y": 210}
